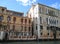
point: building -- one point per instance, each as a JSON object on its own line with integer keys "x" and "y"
{"x": 46, "y": 21}
{"x": 7, "y": 17}
{"x": 15, "y": 24}
{"x": 23, "y": 29}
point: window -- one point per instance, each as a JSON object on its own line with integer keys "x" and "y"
{"x": 25, "y": 20}
{"x": 2, "y": 10}
{"x": 52, "y": 27}
{"x": 50, "y": 21}
{"x": 41, "y": 27}
{"x": 53, "y": 21}
{"x": 47, "y": 11}
{"x": 17, "y": 33}
{"x": 29, "y": 34}
{"x": 25, "y": 34}
{"x": 47, "y": 33}
{"x": 5, "y": 27}
{"x": 57, "y": 21}
{"x": 40, "y": 9}
{"x": 40, "y": 20}
{"x": 30, "y": 15}
{"x": 1, "y": 17}
{"x": 25, "y": 28}
{"x": 21, "y": 33}
{"x": 59, "y": 33}
{"x": 51, "y": 13}
{"x": 29, "y": 29}
{"x": 36, "y": 27}
{"x": 29, "y": 21}
{"x": 47, "y": 20}
{"x": 14, "y": 19}
{"x": 41, "y": 33}
{"x": 8, "y": 18}
{"x": 47, "y": 28}
{"x": 21, "y": 28}
{"x": 36, "y": 19}
{"x": 22, "y": 20}
{"x": 58, "y": 29}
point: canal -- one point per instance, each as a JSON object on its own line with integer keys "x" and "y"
{"x": 40, "y": 42}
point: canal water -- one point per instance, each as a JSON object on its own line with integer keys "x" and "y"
{"x": 39, "y": 42}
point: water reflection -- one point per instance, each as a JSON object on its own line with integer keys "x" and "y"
{"x": 38, "y": 42}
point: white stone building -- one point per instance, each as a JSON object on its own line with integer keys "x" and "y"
{"x": 46, "y": 21}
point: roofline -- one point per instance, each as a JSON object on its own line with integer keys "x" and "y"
{"x": 3, "y": 7}
{"x": 45, "y": 6}
{"x": 15, "y": 11}
{"x": 48, "y": 6}
{"x": 10, "y": 10}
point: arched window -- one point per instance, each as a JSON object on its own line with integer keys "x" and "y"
{"x": 8, "y": 18}
{"x": 2, "y": 10}
{"x": 25, "y": 20}
{"x": 29, "y": 21}
{"x": 21, "y": 20}
{"x": 14, "y": 19}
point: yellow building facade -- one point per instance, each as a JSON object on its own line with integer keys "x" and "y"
{"x": 15, "y": 24}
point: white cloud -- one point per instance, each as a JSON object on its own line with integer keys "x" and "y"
{"x": 26, "y": 2}
{"x": 55, "y": 5}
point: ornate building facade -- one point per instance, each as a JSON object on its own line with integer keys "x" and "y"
{"x": 46, "y": 21}
{"x": 15, "y": 24}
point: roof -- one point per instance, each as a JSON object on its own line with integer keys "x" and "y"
{"x": 14, "y": 11}
{"x": 43, "y": 5}
{"x": 3, "y": 7}
{"x": 48, "y": 6}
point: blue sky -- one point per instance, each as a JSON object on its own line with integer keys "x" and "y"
{"x": 24, "y": 5}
